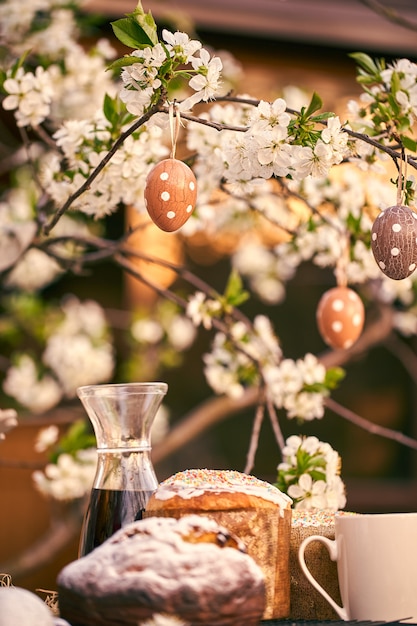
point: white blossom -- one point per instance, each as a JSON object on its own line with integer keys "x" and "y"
{"x": 29, "y": 95}
{"x": 311, "y": 369}
{"x": 201, "y": 309}
{"x": 304, "y": 405}
{"x": 22, "y": 382}
{"x": 310, "y": 474}
{"x": 8, "y": 421}
{"x": 181, "y": 332}
{"x": 180, "y": 45}
{"x": 33, "y": 271}
{"x": 206, "y": 82}
{"x": 46, "y": 437}
{"x": 71, "y": 477}
{"x": 267, "y": 115}
{"x": 147, "y": 331}
{"x": 310, "y": 495}
{"x": 76, "y": 361}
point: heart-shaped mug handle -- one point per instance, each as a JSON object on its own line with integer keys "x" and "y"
{"x": 331, "y": 546}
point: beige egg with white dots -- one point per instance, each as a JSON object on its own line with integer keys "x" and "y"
{"x": 340, "y": 317}
{"x": 170, "y": 194}
{"x": 394, "y": 241}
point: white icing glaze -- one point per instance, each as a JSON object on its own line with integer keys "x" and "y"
{"x": 194, "y": 483}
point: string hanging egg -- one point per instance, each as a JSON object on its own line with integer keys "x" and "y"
{"x": 394, "y": 241}
{"x": 171, "y": 187}
{"x": 340, "y": 317}
{"x": 170, "y": 194}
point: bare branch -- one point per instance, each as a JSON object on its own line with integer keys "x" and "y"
{"x": 370, "y": 427}
{"x": 389, "y": 14}
{"x": 275, "y": 424}
{"x": 254, "y": 439}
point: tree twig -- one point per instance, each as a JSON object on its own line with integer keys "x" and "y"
{"x": 370, "y": 427}
{"x": 254, "y": 439}
{"x": 389, "y": 14}
{"x": 273, "y": 417}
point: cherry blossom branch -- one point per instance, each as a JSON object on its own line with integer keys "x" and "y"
{"x": 99, "y": 168}
{"x": 394, "y": 154}
{"x": 160, "y": 107}
{"x": 129, "y": 267}
{"x": 220, "y": 408}
{"x": 376, "y": 332}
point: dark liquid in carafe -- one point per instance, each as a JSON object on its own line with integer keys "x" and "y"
{"x": 108, "y": 511}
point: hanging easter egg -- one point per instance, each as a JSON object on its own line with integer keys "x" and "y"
{"x": 170, "y": 194}
{"x": 340, "y": 317}
{"x": 394, "y": 241}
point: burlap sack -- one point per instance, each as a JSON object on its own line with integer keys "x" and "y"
{"x": 306, "y": 602}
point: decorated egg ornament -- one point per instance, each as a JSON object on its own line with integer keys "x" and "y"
{"x": 170, "y": 194}
{"x": 394, "y": 241}
{"x": 340, "y": 317}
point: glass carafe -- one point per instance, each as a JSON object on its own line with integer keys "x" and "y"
{"x": 122, "y": 416}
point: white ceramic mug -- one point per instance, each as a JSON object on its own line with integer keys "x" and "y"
{"x": 376, "y": 557}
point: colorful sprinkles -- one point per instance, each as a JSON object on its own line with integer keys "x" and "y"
{"x": 305, "y": 518}
{"x": 193, "y": 482}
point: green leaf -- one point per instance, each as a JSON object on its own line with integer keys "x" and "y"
{"x": 146, "y": 22}
{"x": 234, "y": 292}
{"x": 20, "y": 62}
{"x": 409, "y": 143}
{"x": 110, "y": 109}
{"x": 3, "y": 77}
{"x": 317, "y": 475}
{"x": 334, "y": 375}
{"x": 365, "y": 79}
{"x": 315, "y": 104}
{"x": 123, "y": 62}
{"x": 303, "y": 459}
{"x": 78, "y": 437}
{"x": 322, "y": 117}
{"x": 366, "y": 62}
{"x": 396, "y": 109}
{"x": 131, "y": 34}
{"x": 137, "y": 30}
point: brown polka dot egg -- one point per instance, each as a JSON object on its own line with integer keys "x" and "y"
{"x": 340, "y": 317}
{"x": 394, "y": 241}
{"x": 170, "y": 194}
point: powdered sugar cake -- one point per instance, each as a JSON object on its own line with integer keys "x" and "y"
{"x": 192, "y": 568}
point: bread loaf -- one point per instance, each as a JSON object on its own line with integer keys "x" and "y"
{"x": 254, "y": 510}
